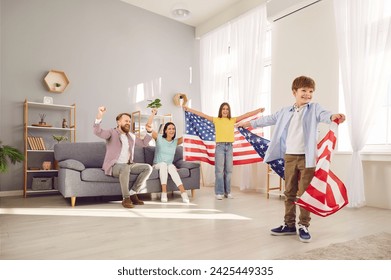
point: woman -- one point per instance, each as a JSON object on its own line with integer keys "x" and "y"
{"x": 164, "y": 155}
{"x": 224, "y": 126}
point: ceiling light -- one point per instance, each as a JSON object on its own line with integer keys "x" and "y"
{"x": 180, "y": 11}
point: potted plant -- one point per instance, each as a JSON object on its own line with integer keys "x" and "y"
{"x": 8, "y": 153}
{"x": 60, "y": 138}
{"x": 57, "y": 86}
{"x": 154, "y": 104}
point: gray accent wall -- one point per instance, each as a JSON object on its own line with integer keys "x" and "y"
{"x": 109, "y": 51}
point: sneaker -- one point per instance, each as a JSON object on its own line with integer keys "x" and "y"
{"x": 135, "y": 200}
{"x": 284, "y": 230}
{"x": 127, "y": 203}
{"x": 185, "y": 198}
{"x": 228, "y": 195}
{"x": 163, "y": 197}
{"x": 304, "y": 234}
{"x": 219, "y": 196}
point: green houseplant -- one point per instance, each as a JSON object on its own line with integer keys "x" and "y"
{"x": 155, "y": 104}
{"x": 60, "y": 138}
{"x": 8, "y": 153}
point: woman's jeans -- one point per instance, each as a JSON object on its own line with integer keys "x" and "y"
{"x": 223, "y": 167}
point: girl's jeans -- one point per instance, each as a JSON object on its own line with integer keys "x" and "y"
{"x": 223, "y": 167}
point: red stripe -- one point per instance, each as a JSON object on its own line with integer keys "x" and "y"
{"x": 247, "y": 161}
{"x": 244, "y": 153}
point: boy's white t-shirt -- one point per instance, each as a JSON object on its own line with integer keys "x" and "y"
{"x": 295, "y": 137}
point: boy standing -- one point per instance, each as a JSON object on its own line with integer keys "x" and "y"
{"x": 295, "y": 140}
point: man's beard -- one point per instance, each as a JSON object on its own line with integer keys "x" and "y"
{"x": 125, "y": 128}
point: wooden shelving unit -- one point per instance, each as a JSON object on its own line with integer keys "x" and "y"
{"x": 275, "y": 189}
{"x": 42, "y": 149}
{"x": 139, "y": 120}
{"x": 54, "y": 78}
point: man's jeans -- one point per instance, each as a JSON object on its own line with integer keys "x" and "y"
{"x": 123, "y": 170}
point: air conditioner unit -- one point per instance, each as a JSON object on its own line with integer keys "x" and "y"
{"x": 277, "y": 9}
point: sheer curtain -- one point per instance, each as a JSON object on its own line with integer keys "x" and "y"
{"x": 248, "y": 34}
{"x": 215, "y": 69}
{"x": 363, "y": 34}
{"x": 234, "y": 50}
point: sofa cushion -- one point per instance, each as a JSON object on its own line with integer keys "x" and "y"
{"x": 178, "y": 154}
{"x": 91, "y": 154}
{"x": 149, "y": 153}
{"x": 184, "y": 172}
{"x": 138, "y": 155}
{"x": 98, "y": 175}
{"x": 72, "y": 164}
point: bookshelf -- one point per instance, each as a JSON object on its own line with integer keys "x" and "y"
{"x": 41, "y": 122}
{"x": 139, "y": 120}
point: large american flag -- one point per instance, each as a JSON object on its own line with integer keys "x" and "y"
{"x": 326, "y": 193}
{"x": 199, "y": 142}
{"x": 260, "y": 145}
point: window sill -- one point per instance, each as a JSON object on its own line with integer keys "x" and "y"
{"x": 371, "y": 155}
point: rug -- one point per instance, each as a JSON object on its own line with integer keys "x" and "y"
{"x": 371, "y": 247}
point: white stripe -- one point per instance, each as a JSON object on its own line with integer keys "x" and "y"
{"x": 339, "y": 199}
{"x": 314, "y": 202}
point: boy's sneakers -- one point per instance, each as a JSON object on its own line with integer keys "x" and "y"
{"x": 219, "y": 196}
{"x": 304, "y": 235}
{"x": 228, "y": 195}
{"x": 284, "y": 230}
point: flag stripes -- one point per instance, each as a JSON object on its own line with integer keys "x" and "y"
{"x": 326, "y": 193}
{"x": 199, "y": 142}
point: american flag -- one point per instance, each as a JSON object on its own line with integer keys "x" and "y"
{"x": 199, "y": 142}
{"x": 260, "y": 145}
{"x": 326, "y": 193}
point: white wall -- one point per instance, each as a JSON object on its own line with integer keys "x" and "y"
{"x": 304, "y": 43}
{"x": 106, "y": 48}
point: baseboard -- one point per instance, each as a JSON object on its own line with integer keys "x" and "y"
{"x": 11, "y": 193}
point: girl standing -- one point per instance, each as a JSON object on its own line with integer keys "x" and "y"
{"x": 224, "y": 127}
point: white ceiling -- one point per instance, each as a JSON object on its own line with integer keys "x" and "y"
{"x": 201, "y": 10}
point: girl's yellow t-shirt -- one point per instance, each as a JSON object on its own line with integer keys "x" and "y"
{"x": 224, "y": 129}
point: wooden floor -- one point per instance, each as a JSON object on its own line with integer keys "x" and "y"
{"x": 46, "y": 227}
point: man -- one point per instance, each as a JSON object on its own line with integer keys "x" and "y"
{"x": 118, "y": 160}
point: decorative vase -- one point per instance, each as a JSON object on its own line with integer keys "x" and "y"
{"x": 46, "y": 165}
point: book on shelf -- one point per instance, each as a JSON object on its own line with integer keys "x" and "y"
{"x": 36, "y": 143}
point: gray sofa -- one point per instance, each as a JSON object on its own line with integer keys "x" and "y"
{"x": 80, "y": 173}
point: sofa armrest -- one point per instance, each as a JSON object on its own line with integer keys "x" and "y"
{"x": 72, "y": 164}
{"x": 187, "y": 164}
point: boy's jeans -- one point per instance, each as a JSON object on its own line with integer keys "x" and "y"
{"x": 297, "y": 179}
{"x": 223, "y": 167}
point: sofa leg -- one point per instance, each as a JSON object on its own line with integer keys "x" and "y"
{"x": 192, "y": 193}
{"x": 73, "y": 201}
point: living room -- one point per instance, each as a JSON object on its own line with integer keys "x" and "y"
{"x": 120, "y": 56}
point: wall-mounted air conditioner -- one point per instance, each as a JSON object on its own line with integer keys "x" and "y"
{"x": 277, "y": 9}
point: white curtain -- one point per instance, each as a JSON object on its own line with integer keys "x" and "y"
{"x": 214, "y": 66}
{"x": 248, "y": 34}
{"x": 234, "y": 50}
{"x": 363, "y": 34}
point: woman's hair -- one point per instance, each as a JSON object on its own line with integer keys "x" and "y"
{"x": 302, "y": 82}
{"x": 165, "y": 130}
{"x": 221, "y": 110}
